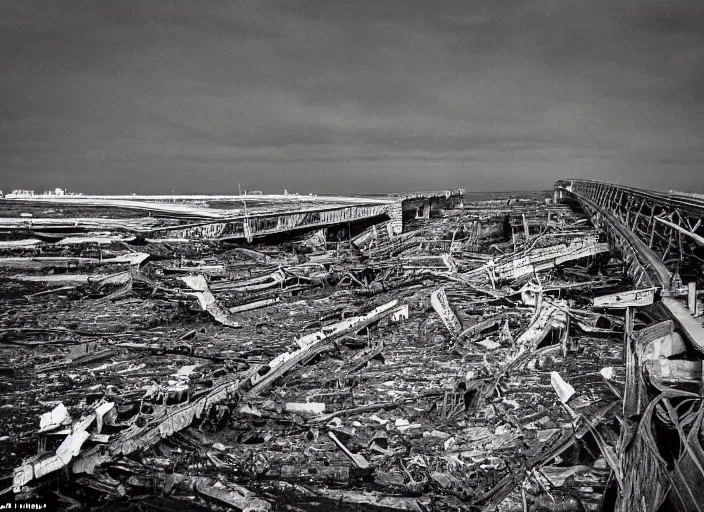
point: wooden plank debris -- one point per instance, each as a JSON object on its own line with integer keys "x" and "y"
{"x": 359, "y": 460}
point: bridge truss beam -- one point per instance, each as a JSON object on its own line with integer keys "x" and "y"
{"x": 660, "y": 236}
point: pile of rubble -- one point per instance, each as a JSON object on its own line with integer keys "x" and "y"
{"x": 461, "y": 365}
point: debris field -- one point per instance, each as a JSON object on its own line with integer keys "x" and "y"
{"x": 459, "y": 365}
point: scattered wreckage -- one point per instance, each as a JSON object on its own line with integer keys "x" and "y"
{"x": 493, "y": 356}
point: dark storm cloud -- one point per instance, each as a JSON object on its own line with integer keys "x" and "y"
{"x": 360, "y": 96}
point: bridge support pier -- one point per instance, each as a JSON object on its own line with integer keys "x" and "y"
{"x": 423, "y": 210}
{"x": 395, "y": 213}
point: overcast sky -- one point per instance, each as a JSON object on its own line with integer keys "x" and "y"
{"x": 353, "y": 96}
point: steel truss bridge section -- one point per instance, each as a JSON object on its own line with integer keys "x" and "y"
{"x": 659, "y": 235}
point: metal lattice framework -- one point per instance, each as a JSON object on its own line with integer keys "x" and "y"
{"x": 659, "y": 235}
{"x": 661, "y": 239}
{"x": 669, "y": 225}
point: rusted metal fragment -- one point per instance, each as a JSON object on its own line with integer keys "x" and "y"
{"x": 132, "y": 258}
{"x": 69, "y": 448}
{"x": 207, "y": 300}
{"x": 233, "y": 496}
{"x": 169, "y": 421}
{"x": 551, "y": 315}
{"x": 630, "y": 298}
{"x": 251, "y": 254}
{"x": 254, "y": 305}
{"x": 28, "y": 243}
{"x": 311, "y": 343}
{"x": 442, "y": 307}
{"x": 493, "y": 323}
{"x": 258, "y": 283}
{"x": 514, "y": 266}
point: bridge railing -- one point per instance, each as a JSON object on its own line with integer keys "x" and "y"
{"x": 671, "y": 224}
{"x": 682, "y": 200}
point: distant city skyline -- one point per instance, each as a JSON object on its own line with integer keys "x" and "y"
{"x": 350, "y": 97}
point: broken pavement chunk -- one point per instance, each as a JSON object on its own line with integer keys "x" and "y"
{"x": 185, "y": 371}
{"x": 379, "y": 420}
{"x": 55, "y": 418}
{"x": 402, "y": 424}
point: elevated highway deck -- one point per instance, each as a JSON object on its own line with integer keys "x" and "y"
{"x": 216, "y": 217}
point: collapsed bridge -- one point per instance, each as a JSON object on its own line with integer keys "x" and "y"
{"x": 661, "y": 240}
{"x": 479, "y": 359}
{"x": 221, "y": 218}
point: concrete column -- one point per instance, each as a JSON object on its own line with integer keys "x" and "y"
{"x": 692, "y": 297}
{"x": 395, "y": 213}
{"x": 426, "y": 209}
